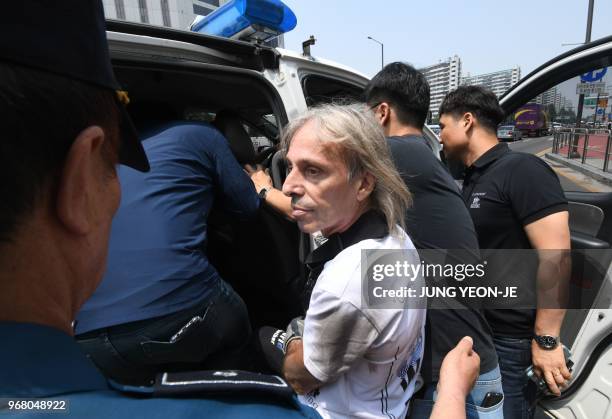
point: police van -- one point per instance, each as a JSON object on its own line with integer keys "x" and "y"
{"x": 250, "y": 91}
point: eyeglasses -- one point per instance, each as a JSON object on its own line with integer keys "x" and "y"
{"x": 375, "y": 106}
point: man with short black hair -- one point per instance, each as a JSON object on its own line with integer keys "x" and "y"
{"x": 437, "y": 222}
{"x": 516, "y": 202}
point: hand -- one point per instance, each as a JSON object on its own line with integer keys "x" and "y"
{"x": 550, "y": 364}
{"x": 260, "y": 177}
{"x": 459, "y": 370}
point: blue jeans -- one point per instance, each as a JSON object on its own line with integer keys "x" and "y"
{"x": 487, "y": 382}
{"x": 213, "y": 334}
{"x": 519, "y": 395}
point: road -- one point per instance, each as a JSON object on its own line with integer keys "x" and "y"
{"x": 570, "y": 179}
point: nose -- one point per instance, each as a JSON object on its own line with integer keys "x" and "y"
{"x": 293, "y": 183}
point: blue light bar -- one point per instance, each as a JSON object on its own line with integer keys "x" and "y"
{"x": 253, "y": 19}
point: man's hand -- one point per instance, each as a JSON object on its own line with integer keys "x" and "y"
{"x": 294, "y": 371}
{"x": 459, "y": 370}
{"x": 550, "y": 364}
{"x": 260, "y": 177}
{"x": 275, "y": 198}
{"x": 458, "y": 374}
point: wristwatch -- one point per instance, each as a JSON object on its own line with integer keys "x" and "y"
{"x": 263, "y": 192}
{"x": 547, "y": 342}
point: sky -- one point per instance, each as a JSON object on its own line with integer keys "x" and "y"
{"x": 488, "y": 35}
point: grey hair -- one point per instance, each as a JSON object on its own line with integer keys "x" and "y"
{"x": 355, "y": 136}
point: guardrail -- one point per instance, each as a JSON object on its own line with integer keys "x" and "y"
{"x": 591, "y": 146}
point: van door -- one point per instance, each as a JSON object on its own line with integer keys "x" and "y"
{"x": 580, "y": 158}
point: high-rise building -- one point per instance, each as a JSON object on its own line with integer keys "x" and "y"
{"x": 177, "y": 14}
{"x": 442, "y": 77}
{"x": 499, "y": 81}
{"x": 554, "y": 97}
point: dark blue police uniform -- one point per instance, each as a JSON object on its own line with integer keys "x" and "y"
{"x": 43, "y": 362}
{"x": 161, "y": 303}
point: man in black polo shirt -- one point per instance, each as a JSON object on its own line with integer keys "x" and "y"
{"x": 436, "y": 222}
{"x": 516, "y": 202}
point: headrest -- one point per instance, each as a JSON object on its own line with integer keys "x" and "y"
{"x": 239, "y": 141}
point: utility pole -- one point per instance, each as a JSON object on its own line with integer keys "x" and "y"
{"x": 587, "y": 39}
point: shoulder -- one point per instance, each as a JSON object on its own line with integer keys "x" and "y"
{"x": 524, "y": 166}
{"x": 523, "y": 160}
{"x": 414, "y": 144}
{"x": 186, "y": 132}
{"x": 341, "y": 276}
{"x": 413, "y": 158}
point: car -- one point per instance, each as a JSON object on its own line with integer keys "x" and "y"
{"x": 509, "y": 133}
{"x": 434, "y": 128}
{"x": 255, "y": 90}
{"x": 261, "y": 88}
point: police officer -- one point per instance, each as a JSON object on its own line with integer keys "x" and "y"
{"x": 64, "y": 130}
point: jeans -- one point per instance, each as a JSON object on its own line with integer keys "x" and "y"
{"x": 210, "y": 335}
{"x": 488, "y": 382}
{"x": 514, "y": 357}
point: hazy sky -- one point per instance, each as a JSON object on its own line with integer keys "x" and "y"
{"x": 488, "y": 35}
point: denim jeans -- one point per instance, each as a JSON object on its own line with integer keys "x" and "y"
{"x": 210, "y": 335}
{"x": 514, "y": 357}
{"x": 487, "y": 382}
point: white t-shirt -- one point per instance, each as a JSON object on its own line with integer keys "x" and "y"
{"x": 368, "y": 359}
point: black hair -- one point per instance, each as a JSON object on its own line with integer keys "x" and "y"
{"x": 405, "y": 88}
{"x": 41, "y": 114}
{"x": 477, "y": 100}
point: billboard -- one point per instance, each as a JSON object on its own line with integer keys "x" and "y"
{"x": 590, "y": 102}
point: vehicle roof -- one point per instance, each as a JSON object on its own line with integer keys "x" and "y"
{"x": 249, "y": 55}
{"x": 255, "y": 56}
{"x": 293, "y": 55}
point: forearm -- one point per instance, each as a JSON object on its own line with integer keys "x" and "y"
{"x": 279, "y": 202}
{"x": 294, "y": 371}
{"x": 553, "y": 281}
{"x": 548, "y": 321}
{"x": 448, "y": 405}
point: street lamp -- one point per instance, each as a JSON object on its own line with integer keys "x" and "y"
{"x": 574, "y": 149}
{"x": 382, "y": 51}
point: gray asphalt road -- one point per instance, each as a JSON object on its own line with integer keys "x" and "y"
{"x": 532, "y": 145}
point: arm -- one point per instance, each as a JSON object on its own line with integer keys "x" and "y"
{"x": 550, "y": 236}
{"x": 457, "y": 377}
{"x": 335, "y": 335}
{"x": 296, "y": 374}
{"x": 275, "y": 198}
{"x": 237, "y": 194}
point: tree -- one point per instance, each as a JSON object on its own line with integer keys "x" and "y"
{"x": 552, "y": 112}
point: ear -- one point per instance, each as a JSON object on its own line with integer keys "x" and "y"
{"x": 384, "y": 113}
{"x": 77, "y": 182}
{"x": 467, "y": 122}
{"x": 366, "y": 186}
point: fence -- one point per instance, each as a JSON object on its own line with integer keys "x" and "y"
{"x": 591, "y": 146}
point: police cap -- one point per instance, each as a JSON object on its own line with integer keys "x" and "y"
{"x": 68, "y": 38}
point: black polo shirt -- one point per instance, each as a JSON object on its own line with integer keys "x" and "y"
{"x": 438, "y": 220}
{"x": 504, "y": 191}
